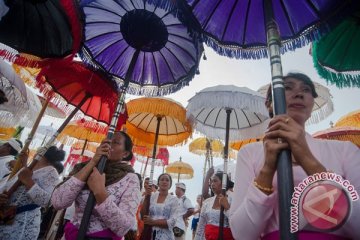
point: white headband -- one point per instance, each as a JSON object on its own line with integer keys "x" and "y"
{"x": 14, "y": 144}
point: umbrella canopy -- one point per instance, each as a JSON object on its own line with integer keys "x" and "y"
{"x": 52, "y": 109}
{"x": 89, "y": 130}
{"x": 238, "y": 28}
{"x": 7, "y": 133}
{"x": 207, "y": 110}
{"x": 57, "y": 37}
{"x": 336, "y": 55}
{"x": 239, "y": 144}
{"x": 349, "y": 120}
{"x": 27, "y": 74}
{"x": 119, "y": 32}
{"x": 323, "y": 105}
{"x": 12, "y": 85}
{"x": 74, "y": 82}
{"x": 143, "y": 112}
{"x": 20, "y": 113}
{"x": 180, "y": 169}
{"x": 351, "y": 134}
{"x": 198, "y": 146}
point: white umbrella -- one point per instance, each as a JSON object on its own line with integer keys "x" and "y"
{"x": 323, "y": 106}
{"x": 207, "y": 111}
{"x": 225, "y": 112}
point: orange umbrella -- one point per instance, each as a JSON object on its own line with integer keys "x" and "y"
{"x": 239, "y": 144}
{"x": 351, "y": 119}
{"x": 351, "y": 134}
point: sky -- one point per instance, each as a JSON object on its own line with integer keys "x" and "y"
{"x": 220, "y": 70}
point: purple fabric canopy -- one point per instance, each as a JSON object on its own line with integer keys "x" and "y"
{"x": 114, "y": 30}
{"x": 236, "y": 28}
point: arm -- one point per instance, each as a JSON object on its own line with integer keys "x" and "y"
{"x": 65, "y": 194}
{"x": 251, "y": 209}
{"x": 188, "y": 213}
{"x": 206, "y": 184}
{"x": 121, "y": 217}
{"x": 40, "y": 192}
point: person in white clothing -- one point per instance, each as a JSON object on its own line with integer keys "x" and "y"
{"x": 8, "y": 152}
{"x": 186, "y": 210}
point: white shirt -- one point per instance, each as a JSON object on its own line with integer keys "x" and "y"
{"x": 184, "y": 205}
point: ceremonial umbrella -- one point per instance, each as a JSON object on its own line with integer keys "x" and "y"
{"x": 239, "y": 144}
{"x": 244, "y": 29}
{"x": 350, "y": 120}
{"x": 157, "y": 121}
{"x": 54, "y": 32}
{"x": 11, "y": 85}
{"x": 351, "y": 134}
{"x": 323, "y": 104}
{"x": 180, "y": 169}
{"x": 228, "y": 112}
{"x": 336, "y": 55}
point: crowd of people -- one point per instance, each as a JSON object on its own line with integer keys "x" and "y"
{"x": 250, "y": 206}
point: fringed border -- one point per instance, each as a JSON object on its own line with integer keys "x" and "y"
{"x": 234, "y": 134}
{"x": 321, "y": 113}
{"x": 227, "y": 99}
{"x": 341, "y": 80}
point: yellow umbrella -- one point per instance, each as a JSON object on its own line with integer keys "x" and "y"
{"x": 179, "y": 168}
{"x": 27, "y": 74}
{"x": 351, "y": 134}
{"x": 239, "y": 144}
{"x": 198, "y": 146}
{"x": 91, "y": 131}
{"x": 144, "y": 113}
{"x": 350, "y": 120}
{"x": 6, "y": 133}
{"x": 157, "y": 121}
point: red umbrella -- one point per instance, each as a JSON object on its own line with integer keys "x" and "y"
{"x": 80, "y": 87}
{"x": 74, "y": 82}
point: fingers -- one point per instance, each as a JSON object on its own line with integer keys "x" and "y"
{"x": 281, "y": 118}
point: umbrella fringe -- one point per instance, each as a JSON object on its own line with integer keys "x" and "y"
{"x": 341, "y": 80}
{"x": 217, "y": 100}
{"x": 234, "y": 134}
{"x": 321, "y": 114}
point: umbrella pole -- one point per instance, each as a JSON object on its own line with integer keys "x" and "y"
{"x": 179, "y": 175}
{"x": 224, "y": 179}
{"x": 147, "y": 232}
{"x": 141, "y": 169}
{"x": 284, "y": 165}
{"x": 83, "y": 150}
{"x": 25, "y": 148}
{"x": 101, "y": 165}
{"x": 41, "y": 153}
{"x": 147, "y": 161}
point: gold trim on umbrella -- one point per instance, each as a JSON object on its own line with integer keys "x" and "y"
{"x": 351, "y": 119}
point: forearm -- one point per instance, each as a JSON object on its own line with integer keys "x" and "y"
{"x": 161, "y": 223}
{"x": 84, "y": 173}
{"x": 188, "y": 213}
{"x": 265, "y": 178}
{"x": 65, "y": 194}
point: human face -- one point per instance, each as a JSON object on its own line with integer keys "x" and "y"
{"x": 179, "y": 192}
{"x": 146, "y": 183}
{"x": 118, "y": 151}
{"x": 299, "y": 100}
{"x": 164, "y": 182}
{"x": 216, "y": 184}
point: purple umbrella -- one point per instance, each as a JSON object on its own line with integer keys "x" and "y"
{"x": 117, "y": 32}
{"x": 145, "y": 49}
